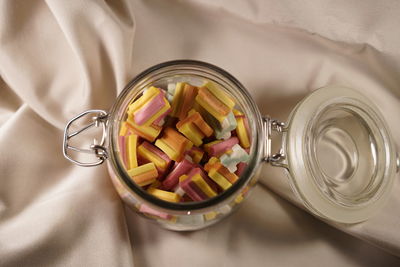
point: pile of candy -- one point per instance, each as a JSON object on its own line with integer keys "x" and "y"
{"x": 185, "y": 143}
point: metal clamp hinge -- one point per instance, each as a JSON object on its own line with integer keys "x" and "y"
{"x": 99, "y": 119}
{"x": 269, "y": 126}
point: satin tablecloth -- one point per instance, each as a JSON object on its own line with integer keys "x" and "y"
{"x": 58, "y": 58}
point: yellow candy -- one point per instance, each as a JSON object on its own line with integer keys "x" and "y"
{"x": 158, "y": 114}
{"x": 210, "y": 215}
{"x": 203, "y": 186}
{"x": 132, "y": 157}
{"x": 149, "y": 133}
{"x": 197, "y": 156}
{"x": 177, "y": 100}
{"x": 220, "y": 94}
{"x": 144, "y": 174}
{"x": 208, "y": 145}
{"x": 124, "y": 129}
{"x": 155, "y": 184}
{"x": 171, "y": 153}
{"x": 242, "y": 133}
{"x": 182, "y": 178}
{"x": 173, "y": 144}
{"x": 142, "y": 169}
{"x": 146, "y": 97}
{"x": 237, "y": 112}
{"x": 204, "y": 104}
{"x": 144, "y": 153}
{"x": 191, "y": 133}
{"x": 239, "y": 199}
{"x": 164, "y": 195}
{"x": 219, "y": 179}
{"x": 192, "y": 111}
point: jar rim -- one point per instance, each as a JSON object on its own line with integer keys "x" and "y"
{"x": 301, "y": 162}
{"x": 254, "y": 124}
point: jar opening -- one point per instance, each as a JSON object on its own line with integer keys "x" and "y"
{"x": 345, "y": 162}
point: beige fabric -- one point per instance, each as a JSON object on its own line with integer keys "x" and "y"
{"x": 58, "y": 58}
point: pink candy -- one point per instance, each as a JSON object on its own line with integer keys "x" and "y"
{"x": 151, "y": 108}
{"x": 146, "y": 209}
{"x": 122, "y": 147}
{"x": 180, "y": 168}
{"x": 220, "y": 148}
{"x": 192, "y": 190}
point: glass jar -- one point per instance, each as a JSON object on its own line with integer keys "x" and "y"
{"x": 336, "y": 150}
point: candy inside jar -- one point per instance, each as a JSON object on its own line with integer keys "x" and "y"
{"x": 184, "y": 140}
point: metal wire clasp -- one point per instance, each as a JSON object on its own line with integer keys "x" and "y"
{"x": 99, "y": 119}
{"x": 270, "y": 125}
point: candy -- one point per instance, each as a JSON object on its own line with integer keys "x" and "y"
{"x": 210, "y": 215}
{"x": 192, "y": 219}
{"x": 196, "y": 154}
{"x": 219, "y": 174}
{"x": 211, "y": 104}
{"x": 124, "y": 129}
{"x": 161, "y": 120}
{"x": 149, "y": 133}
{"x": 150, "y": 153}
{"x": 164, "y": 195}
{"x": 122, "y": 150}
{"x": 153, "y": 212}
{"x": 196, "y": 187}
{"x": 177, "y": 99}
{"x": 178, "y": 190}
{"x": 167, "y": 137}
{"x": 173, "y": 144}
{"x": 145, "y": 113}
{"x": 217, "y": 148}
{"x": 179, "y": 169}
{"x": 182, "y": 100}
{"x": 189, "y": 94}
{"x": 240, "y": 168}
{"x": 155, "y": 184}
{"x": 132, "y": 146}
{"x": 194, "y": 128}
{"x": 148, "y": 96}
{"x": 242, "y": 129}
{"x": 221, "y": 95}
{"x": 242, "y": 194}
{"x": 152, "y": 110}
{"x": 144, "y": 175}
{"x": 231, "y": 160}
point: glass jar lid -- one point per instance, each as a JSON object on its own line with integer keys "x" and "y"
{"x": 340, "y": 155}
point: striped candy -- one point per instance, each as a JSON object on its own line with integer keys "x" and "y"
{"x": 196, "y": 187}
{"x": 194, "y": 128}
{"x": 144, "y": 174}
{"x": 173, "y": 144}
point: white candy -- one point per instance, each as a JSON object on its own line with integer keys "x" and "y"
{"x": 232, "y": 167}
{"x": 238, "y": 155}
{"x": 193, "y": 219}
{"x": 225, "y": 209}
{"x": 179, "y": 191}
{"x": 226, "y": 136}
{"x": 170, "y": 92}
{"x": 171, "y": 88}
{"x": 169, "y": 97}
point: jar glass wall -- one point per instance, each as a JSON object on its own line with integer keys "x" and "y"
{"x": 185, "y": 215}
